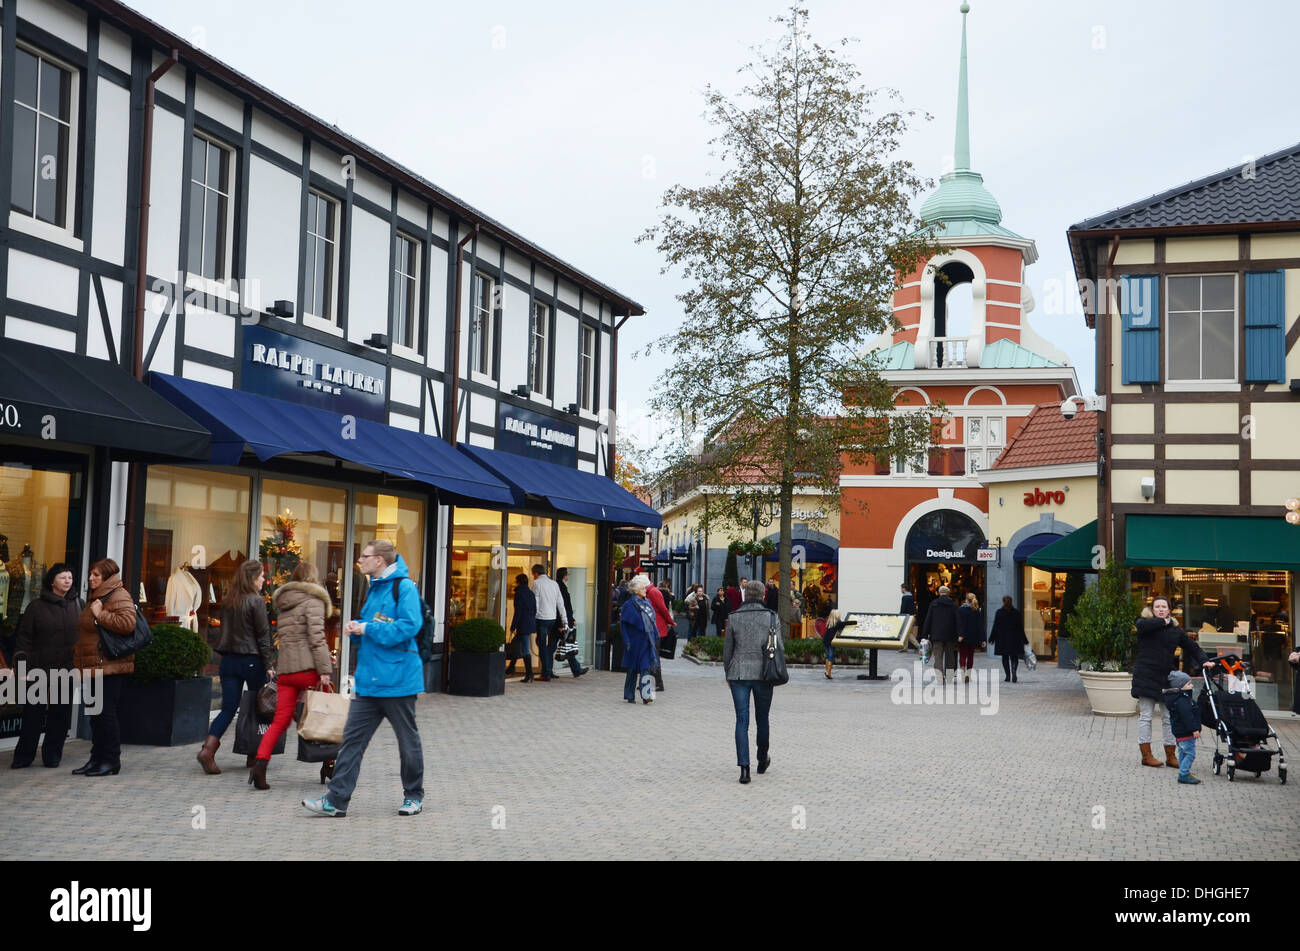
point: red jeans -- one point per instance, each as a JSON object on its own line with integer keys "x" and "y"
{"x": 965, "y": 659}
{"x": 287, "y": 688}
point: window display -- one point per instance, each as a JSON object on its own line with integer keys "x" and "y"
{"x": 304, "y": 522}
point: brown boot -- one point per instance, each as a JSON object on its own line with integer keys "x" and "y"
{"x": 828, "y": 671}
{"x": 206, "y": 756}
{"x": 1147, "y": 758}
{"x": 257, "y": 775}
{"x": 1171, "y": 756}
{"x": 250, "y": 760}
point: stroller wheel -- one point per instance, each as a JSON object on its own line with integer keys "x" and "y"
{"x": 1232, "y": 771}
{"x": 1218, "y": 765}
{"x": 1281, "y": 775}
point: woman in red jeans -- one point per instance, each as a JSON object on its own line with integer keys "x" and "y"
{"x": 302, "y": 606}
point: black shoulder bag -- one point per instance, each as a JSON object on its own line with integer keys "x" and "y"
{"x": 116, "y": 646}
{"x": 774, "y": 671}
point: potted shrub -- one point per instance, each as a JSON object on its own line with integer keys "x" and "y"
{"x": 167, "y": 702}
{"x": 1102, "y": 634}
{"x": 478, "y": 665}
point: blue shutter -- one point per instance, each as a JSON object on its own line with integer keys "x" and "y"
{"x": 1265, "y": 327}
{"x": 1140, "y": 334}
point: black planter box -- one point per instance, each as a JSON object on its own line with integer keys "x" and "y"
{"x": 169, "y": 713}
{"x": 477, "y": 675}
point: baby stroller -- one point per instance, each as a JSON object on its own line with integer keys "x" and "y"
{"x": 1237, "y": 721}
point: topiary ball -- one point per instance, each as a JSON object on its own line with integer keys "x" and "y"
{"x": 478, "y": 635}
{"x": 177, "y": 653}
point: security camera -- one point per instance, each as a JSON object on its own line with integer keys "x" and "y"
{"x": 1149, "y": 487}
{"x": 1068, "y": 408}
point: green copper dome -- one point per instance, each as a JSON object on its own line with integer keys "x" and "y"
{"x": 961, "y": 194}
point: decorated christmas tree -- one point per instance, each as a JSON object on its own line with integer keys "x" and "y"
{"x": 280, "y": 553}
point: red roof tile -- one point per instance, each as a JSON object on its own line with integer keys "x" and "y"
{"x": 1046, "y": 438}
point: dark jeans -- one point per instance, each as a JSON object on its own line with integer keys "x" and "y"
{"x": 55, "y": 726}
{"x": 547, "y": 640}
{"x": 1010, "y": 662}
{"x": 364, "y": 716}
{"x": 740, "y": 693}
{"x": 105, "y": 733}
{"x": 237, "y": 671}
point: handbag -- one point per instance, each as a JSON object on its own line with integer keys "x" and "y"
{"x": 774, "y": 671}
{"x": 266, "y": 699}
{"x": 1031, "y": 659}
{"x": 115, "y": 646}
{"x": 249, "y": 729}
{"x": 324, "y": 714}
{"x": 314, "y": 751}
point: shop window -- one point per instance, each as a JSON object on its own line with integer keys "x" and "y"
{"x": 40, "y": 524}
{"x": 44, "y": 138}
{"x": 195, "y": 538}
{"x": 476, "y": 527}
{"x": 302, "y": 522}
{"x": 528, "y": 530}
{"x": 396, "y": 518}
{"x": 577, "y": 552}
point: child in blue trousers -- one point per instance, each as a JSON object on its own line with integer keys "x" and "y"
{"x": 1185, "y": 721}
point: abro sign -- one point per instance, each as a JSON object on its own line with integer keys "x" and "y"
{"x": 1039, "y": 497}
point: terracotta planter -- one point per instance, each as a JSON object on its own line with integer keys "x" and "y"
{"x": 1109, "y": 692}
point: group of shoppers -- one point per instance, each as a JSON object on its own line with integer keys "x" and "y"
{"x": 545, "y": 610}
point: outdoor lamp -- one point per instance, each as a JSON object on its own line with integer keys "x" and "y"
{"x": 1293, "y": 517}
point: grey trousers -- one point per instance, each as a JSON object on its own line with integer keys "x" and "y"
{"x": 943, "y": 654}
{"x": 364, "y": 717}
{"x": 1146, "y": 707}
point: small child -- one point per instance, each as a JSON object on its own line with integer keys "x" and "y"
{"x": 1185, "y": 721}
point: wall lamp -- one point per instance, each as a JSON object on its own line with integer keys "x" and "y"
{"x": 282, "y": 308}
{"x": 521, "y": 391}
{"x": 378, "y": 341}
{"x": 572, "y": 409}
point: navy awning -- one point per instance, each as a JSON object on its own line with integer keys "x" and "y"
{"x": 679, "y": 550}
{"x": 270, "y": 428}
{"x": 50, "y": 394}
{"x": 569, "y": 490}
{"x": 1034, "y": 543}
{"x": 814, "y": 553}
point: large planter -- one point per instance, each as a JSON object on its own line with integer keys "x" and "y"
{"x": 1109, "y": 692}
{"x": 476, "y": 675}
{"x": 167, "y": 713}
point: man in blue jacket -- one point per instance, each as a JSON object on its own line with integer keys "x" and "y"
{"x": 389, "y": 675}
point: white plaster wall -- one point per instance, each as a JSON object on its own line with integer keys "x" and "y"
{"x": 433, "y": 412}
{"x": 436, "y": 290}
{"x": 207, "y": 374}
{"x": 172, "y": 82}
{"x": 112, "y": 145}
{"x": 518, "y": 266}
{"x": 96, "y": 345}
{"x": 566, "y": 359}
{"x": 18, "y": 329}
{"x": 371, "y": 186}
{"x": 413, "y": 209}
{"x": 114, "y": 48}
{"x": 514, "y": 338}
{"x": 483, "y": 411}
{"x": 402, "y": 421}
{"x": 328, "y": 163}
{"x": 274, "y": 207}
{"x": 62, "y": 19}
{"x": 368, "y": 283}
{"x": 277, "y": 136}
{"x": 41, "y": 281}
{"x": 568, "y": 293}
{"x": 213, "y": 101}
{"x": 156, "y": 306}
{"x": 404, "y": 387}
{"x": 209, "y": 331}
{"x": 165, "y": 193}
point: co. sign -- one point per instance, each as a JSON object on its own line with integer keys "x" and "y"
{"x": 1039, "y": 497}
{"x": 9, "y": 416}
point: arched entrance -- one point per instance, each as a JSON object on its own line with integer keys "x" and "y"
{"x": 943, "y": 549}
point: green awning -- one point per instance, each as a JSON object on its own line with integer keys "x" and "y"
{"x": 1074, "y": 552}
{"x": 1195, "y": 541}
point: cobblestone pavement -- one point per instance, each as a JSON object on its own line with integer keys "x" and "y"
{"x": 568, "y": 770}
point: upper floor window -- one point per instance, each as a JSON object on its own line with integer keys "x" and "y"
{"x": 406, "y": 292}
{"x": 1202, "y": 328}
{"x": 44, "y": 138}
{"x": 322, "y": 250}
{"x": 587, "y": 369}
{"x": 537, "y": 353}
{"x": 210, "y": 232}
{"x": 985, "y": 438}
{"x": 480, "y": 329}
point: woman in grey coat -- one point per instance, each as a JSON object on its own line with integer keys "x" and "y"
{"x": 742, "y": 656}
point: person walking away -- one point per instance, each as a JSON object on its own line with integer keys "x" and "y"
{"x": 640, "y": 641}
{"x": 941, "y": 627}
{"x": 970, "y": 635}
{"x": 833, "y": 625}
{"x": 549, "y": 606}
{"x": 663, "y": 622}
{"x": 110, "y": 606}
{"x": 245, "y": 649}
{"x": 388, "y": 677}
{"x": 720, "y": 608}
{"x": 304, "y": 663}
{"x": 524, "y": 624}
{"x": 1008, "y": 638}
{"x": 46, "y": 639}
{"x": 570, "y": 624}
{"x": 907, "y": 608}
{"x": 1157, "y": 638}
{"x": 748, "y": 629}
{"x": 1185, "y": 721}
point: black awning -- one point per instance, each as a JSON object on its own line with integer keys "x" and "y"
{"x": 53, "y": 395}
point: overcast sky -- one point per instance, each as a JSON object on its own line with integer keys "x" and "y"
{"x": 568, "y": 120}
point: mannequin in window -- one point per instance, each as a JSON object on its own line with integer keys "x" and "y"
{"x": 184, "y": 597}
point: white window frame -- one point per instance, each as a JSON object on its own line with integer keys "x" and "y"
{"x": 228, "y": 239}
{"x": 586, "y": 368}
{"x": 1224, "y": 384}
{"x": 539, "y": 322}
{"x": 412, "y": 281}
{"x": 982, "y": 451}
{"x": 65, "y": 233}
{"x": 328, "y": 322}
{"x": 480, "y": 326}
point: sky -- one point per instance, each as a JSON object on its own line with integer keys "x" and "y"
{"x": 567, "y": 121}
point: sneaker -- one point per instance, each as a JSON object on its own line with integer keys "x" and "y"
{"x": 1189, "y": 780}
{"x": 410, "y": 807}
{"x": 323, "y": 807}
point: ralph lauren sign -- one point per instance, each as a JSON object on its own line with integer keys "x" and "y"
{"x": 526, "y": 433}
{"x": 307, "y": 373}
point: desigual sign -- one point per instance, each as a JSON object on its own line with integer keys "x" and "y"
{"x": 1050, "y": 497}
{"x": 307, "y": 373}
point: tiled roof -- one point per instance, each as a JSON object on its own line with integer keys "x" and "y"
{"x": 1047, "y": 438}
{"x": 1267, "y": 191}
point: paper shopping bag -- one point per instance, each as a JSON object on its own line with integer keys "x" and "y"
{"x": 323, "y": 716}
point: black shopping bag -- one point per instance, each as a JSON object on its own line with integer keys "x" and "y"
{"x": 315, "y": 751}
{"x": 249, "y": 730}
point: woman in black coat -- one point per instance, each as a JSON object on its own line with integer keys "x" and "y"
{"x": 1157, "y": 639}
{"x": 1008, "y": 637}
{"x": 941, "y": 627}
{"x": 720, "y": 608}
{"x": 524, "y": 624}
{"x": 45, "y": 640}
